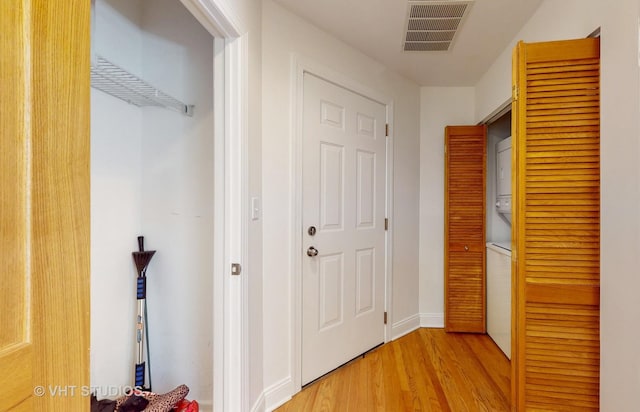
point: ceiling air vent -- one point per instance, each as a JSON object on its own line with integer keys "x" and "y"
{"x": 433, "y": 25}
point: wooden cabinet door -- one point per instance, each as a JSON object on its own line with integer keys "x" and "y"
{"x": 556, "y": 226}
{"x": 16, "y": 349}
{"x": 465, "y": 184}
{"x": 44, "y": 205}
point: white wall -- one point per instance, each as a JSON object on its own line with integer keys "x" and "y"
{"x": 439, "y": 107}
{"x": 165, "y": 194}
{"x": 284, "y": 35}
{"x": 620, "y": 173}
{"x": 250, "y": 12}
{"x": 177, "y": 196}
{"x": 620, "y": 224}
{"x": 554, "y": 20}
{"x": 116, "y": 183}
{"x": 115, "y": 222}
{"x": 245, "y": 19}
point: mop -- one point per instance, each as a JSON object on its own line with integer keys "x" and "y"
{"x": 142, "y": 259}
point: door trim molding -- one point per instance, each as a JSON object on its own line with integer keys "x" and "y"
{"x": 215, "y": 17}
{"x": 230, "y": 302}
{"x": 300, "y": 66}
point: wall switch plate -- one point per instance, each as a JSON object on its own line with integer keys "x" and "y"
{"x": 255, "y": 208}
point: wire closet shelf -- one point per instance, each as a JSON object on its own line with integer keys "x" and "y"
{"x": 111, "y": 79}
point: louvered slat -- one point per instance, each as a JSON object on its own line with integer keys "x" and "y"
{"x": 556, "y": 226}
{"x": 465, "y": 302}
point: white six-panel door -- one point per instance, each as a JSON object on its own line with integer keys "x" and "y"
{"x": 344, "y": 155}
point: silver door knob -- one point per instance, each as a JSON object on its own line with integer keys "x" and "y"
{"x": 312, "y": 251}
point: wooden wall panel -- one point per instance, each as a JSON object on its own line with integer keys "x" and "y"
{"x": 44, "y": 205}
{"x": 16, "y": 348}
{"x": 61, "y": 242}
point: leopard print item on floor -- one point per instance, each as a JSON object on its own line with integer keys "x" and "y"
{"x": 158, "y": 402}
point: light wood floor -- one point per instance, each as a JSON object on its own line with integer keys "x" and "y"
{"x": 426, "y": 370}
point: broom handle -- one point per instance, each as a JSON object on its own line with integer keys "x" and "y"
{"x": 143, "y": 327}
{"x": 146, "y": 336}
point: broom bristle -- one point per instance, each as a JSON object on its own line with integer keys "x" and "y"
{"x": 142, "y": 259}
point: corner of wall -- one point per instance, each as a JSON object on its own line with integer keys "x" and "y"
{"x": 432, "y": 320}
{"x": 439, "y": 107}
{"x": 277, "y": 394}
{"x": 205, "y": 406}
{"x": 405, "y": 326}
{"x": 259, "y": 404}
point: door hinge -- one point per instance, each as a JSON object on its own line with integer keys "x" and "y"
{"x": 515, "y": 92}
{"x": 385, "y": 318}
{"x": 386, "y": 223}
{"x": 386, "y": 129}
{"x": 236, "y": 269}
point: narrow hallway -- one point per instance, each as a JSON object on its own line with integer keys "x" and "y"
{"x": 426, "y": 370}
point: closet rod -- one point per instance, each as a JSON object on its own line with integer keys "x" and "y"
{"x": 111, "y": 79}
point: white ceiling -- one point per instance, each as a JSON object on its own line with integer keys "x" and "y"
{"x": 377, "y": 27}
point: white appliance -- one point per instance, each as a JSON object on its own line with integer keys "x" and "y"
{"x": 503, "y": 175}
{"x": 499, "y": 295}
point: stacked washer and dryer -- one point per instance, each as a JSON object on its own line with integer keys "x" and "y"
{"x": 499, "y": 257}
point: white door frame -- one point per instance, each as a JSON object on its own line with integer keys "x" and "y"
{"x": 300, "y": 66}
{"x": 230, "y": 303}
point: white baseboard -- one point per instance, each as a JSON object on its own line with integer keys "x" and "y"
{"x": 432, "y": 320}
{"x": 405, "y": 326}
{"x": 258, "y": 406}
{"x": 205, "y": 406}
{"x": 278, "y": 393}
{"x": 282, "y": 391}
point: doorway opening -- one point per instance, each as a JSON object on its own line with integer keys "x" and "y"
{"x": 151, "y": 170}
{"x": 225, "y": 315}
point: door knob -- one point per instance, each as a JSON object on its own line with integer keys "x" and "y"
{"x": 466, "y": 248}
{"x": 312, "y": 251}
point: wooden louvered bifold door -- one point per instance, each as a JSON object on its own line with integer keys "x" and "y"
{"x": 465, "y": 286}
{"x": 556, "y": 228}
